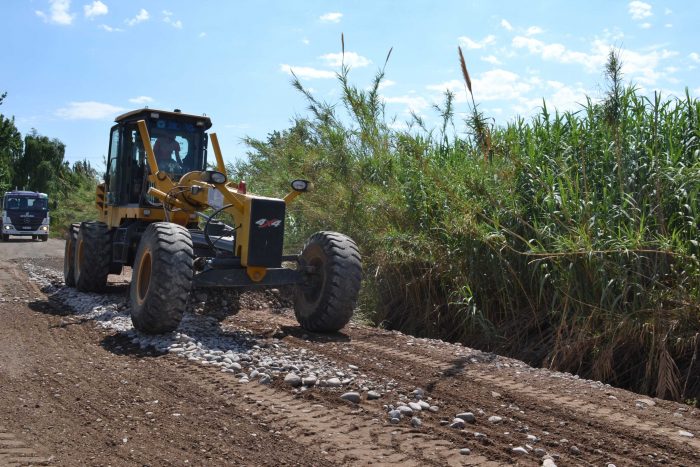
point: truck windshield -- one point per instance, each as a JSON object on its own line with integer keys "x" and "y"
{"x": 23, "y": 203}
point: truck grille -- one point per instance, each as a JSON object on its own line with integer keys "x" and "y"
{"x": 25, "y": 223}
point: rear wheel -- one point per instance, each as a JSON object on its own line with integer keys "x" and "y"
{"x": 333, "y": 272}
{"x": 93, "y": 253}
{"x": 162, "y": 278}
{"x": 69, "y": 259}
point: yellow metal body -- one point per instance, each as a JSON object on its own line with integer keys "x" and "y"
{"x": 190, "y": 194}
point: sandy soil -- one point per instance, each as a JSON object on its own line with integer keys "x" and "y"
{"x": 74, "y": 394}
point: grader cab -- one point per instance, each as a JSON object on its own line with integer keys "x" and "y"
{"x": 157, "y": 209}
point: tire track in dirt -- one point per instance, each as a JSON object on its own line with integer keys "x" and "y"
{"x": 15, "y": 452}
{"x": 586, "y": 423}
{"x": 348, "y": 434}
{"x": 517, "y": 390}
{"x": 359, "y": 435}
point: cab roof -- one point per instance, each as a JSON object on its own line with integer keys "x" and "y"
{"x": 146, "y": 113}
{"x": 35, "y": 194}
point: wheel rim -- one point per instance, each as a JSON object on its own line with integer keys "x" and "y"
{"x": 144, "y": 277}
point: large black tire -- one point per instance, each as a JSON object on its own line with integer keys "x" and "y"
{"x": 5, "y": 238}
{"x": 69, "y": 258}
{"x": 93, "y": 253}
{"x": 162, "y": 278}
{"x": 44, "y": 238}
{"x": 333, "y": 270}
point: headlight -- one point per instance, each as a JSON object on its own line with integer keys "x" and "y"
{"x": 7, "y": 227}
{"x": 212, "y": 176}
{"x": 44, "y": 227}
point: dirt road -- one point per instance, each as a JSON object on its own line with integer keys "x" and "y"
{"x": 78, "y": 387}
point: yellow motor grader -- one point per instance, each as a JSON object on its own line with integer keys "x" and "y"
{"x": 153, "y": 209}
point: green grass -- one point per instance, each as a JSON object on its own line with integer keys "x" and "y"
{"x": 569, "y": 240}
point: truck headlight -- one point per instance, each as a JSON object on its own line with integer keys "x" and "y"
{"x": 44, "y": 228}
{"x": 7, "y": 227}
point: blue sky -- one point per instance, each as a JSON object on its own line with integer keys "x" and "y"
{"x": 70, "y": 67}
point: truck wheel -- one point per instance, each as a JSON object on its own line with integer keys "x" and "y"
{"x": 5, "y": 237}
{"x": 93, "y": 253}
{"x": 162, "y": 278}
{"x": 69, "y": 259}
{"x": 333, "y": 272}
{"x": 44, "y": 238}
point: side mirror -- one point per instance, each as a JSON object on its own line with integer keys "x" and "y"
{"x": 301, "y": 186}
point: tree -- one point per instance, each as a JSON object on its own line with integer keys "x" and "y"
{"x": 41, "y": 164}
{"x": 10, "y": 149}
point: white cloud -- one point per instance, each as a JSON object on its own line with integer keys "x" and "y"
{"x": 472, "y": 44}
{"x": 331, "y": 17}
{"x": 506, "y": 25}
{"x": 567, "y": 97}
{"x": 645, "y": 25}
{"x": 492, "y": 59}
{"x": 491, "y": 85}
{"x": 559, "y": 53}
{"x": 534, "y": 30}
{"x": 640, "y": 67}
{"x": 96, "y": 8}
{"x": 110, "y": 28}
{"x": 639, "y": 10}
{"x": 668, "y": 11}
{"x": 139, "y": 18}
{"x": 413, "y": 103}
{"x": 305, "y": 41}
{"x": 141, "y": 100}
{"x": 386, "y": 83}
{"x": 88, "y": 110}
{"x": 59, "y": 13}
{"x": 694, "y": 56}
{"x": 167, "y": 18}
{"x": 202, "y": 34}
{"x": 304, "y": 72}
{"x": 351, "y": 59}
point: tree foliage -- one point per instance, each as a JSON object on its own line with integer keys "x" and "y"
{"x": 10, "y": 149}
{"x": 41, "y": 164}
{"x": 37, "y": 164}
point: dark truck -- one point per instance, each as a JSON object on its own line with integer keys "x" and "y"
{"x": 25, "y": 213}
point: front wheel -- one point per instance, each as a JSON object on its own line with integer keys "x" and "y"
{"x": 332, "y": 267}
{"x": 162, "y": 278}
{"x": 93, "y": 253}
